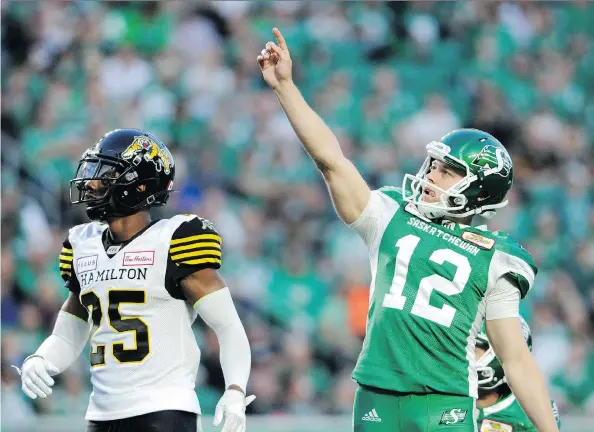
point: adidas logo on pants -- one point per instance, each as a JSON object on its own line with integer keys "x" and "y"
{"x": 371, "y": 416}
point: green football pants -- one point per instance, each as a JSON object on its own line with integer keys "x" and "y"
{"x": 378, "y": 410}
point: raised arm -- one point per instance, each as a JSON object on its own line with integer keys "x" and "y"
{"x": 348, "y": 190}
{"x": 522, "y": 373}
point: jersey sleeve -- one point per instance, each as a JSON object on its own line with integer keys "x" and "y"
{"x": 377, "y": 213}
{"x": 512, "y": 261}
{"x": 66, "y": 270}
{"x": 503, "y": 301}
{"x": 195, "y": 245}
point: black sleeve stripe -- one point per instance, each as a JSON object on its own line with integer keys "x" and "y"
{"x": 65, "y": 259}
{"x": 198, "y": 253}
{"x": 195, "y": 262}
{"x": 196, "y": 245}
{"x": 197, "y": 238}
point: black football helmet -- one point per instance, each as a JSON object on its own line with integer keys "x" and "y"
{"x": 118, "y": 165}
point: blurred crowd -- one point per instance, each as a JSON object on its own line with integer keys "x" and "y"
{"x": 388, "y": 78}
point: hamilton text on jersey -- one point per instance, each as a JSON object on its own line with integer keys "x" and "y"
{"x": 112, "y": 274}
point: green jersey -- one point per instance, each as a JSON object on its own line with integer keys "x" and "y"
{"x": 507, "y": 416}
{"x": 429, "y": 296}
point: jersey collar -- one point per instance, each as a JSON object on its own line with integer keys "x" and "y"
{"x": 478, "y": 227}
{"x": 112, "y": 248}
{"x": 411, "y": 208}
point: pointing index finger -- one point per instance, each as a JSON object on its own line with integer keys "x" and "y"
{"x": 280, "y": 39}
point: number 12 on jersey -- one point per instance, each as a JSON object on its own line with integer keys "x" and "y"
{"x": 421, "y": 307}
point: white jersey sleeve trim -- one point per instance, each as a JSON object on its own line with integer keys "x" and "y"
{"x": 371, "y": 224}
{"x": 507, "y": 263}
{"x": 503, "y": 301}
{"x": 502, "y": 264}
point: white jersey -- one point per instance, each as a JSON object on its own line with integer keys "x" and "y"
{"x": 144, "y": 355}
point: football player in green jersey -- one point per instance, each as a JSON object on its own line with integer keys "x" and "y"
{"x": 499, "y": 410}
{"x": 434, "y": 278}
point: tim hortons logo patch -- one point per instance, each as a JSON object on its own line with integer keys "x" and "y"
{"x": 495, "y": 426}
{"x": 141, "y": 258}
{"x": 479, "y": 240}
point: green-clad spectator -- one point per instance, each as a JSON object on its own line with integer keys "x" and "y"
{"x": 305, "y": 378}
{"x": 188, "y": 131}
{"x": 398, "y": 102}
{"x": 158, "y": 106}
{"x": 18, "y": 100}
{"x": 574, "y": 385}
{"x": 548, "y": 246}
{"x": 374, "y": 21}
{"x": 584, "y": 57}
{"x": 148, "y": 27}
{"x": 581, "y": 17}
{"x": 296, "y": 293}
{"x": 274, "y": 13}
{"x": 69, "y": 398}
{"x": 49, "y": 147}
{"x": 518, "y": 86}
{"x": 549, "y": 34}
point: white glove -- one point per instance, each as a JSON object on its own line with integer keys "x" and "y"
{"x": 35, "y": 377}
{"x": 232, "y": 407}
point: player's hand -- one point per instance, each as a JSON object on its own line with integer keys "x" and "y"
{"x": 231, "y": 407}
{"x": 35, "y": 377}
{"x": 275, "y": 61}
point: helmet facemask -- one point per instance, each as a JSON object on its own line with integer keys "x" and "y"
{"x": 488, "y": 378}
{"x": 454, "y": 202}
{"x": 113, "y": 178}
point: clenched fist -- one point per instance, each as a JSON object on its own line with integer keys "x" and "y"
{"x": 275, "y": 61}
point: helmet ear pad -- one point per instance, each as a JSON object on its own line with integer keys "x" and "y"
{"x": 131, "y": 195}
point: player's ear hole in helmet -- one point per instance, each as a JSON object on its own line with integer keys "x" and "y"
{"x": 127, "y": 171}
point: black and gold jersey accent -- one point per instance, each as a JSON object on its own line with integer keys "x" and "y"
{"x": 66, "y": 270}
{"x": 194, "y": 246}
{"x": 66, "y": 261}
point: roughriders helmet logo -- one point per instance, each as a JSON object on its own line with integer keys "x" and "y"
{"x": 491, "y": 157}
{"x": 151, "y": 151}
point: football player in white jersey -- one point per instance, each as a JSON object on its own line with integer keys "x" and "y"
{"x": 136, "y": 286}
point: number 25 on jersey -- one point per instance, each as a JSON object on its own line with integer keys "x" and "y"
{"x": 119, "y": 324}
